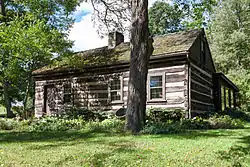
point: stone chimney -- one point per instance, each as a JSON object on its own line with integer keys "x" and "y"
{"x": 115, "y": 38}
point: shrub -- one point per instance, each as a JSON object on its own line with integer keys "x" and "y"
{"x": 236, "y": 113}
{"x": 8, "y": 124}
{"x": 225, "y": 122}
{"x": 215, "y": 122}
{"x": 162, "y": 128}
{"x": 194, "y": 123}
{"x": 83, "y": 113}
{"x": 164, "y": 115}
{"x": 56, "y": 124}
{"x": 108, "y": 125}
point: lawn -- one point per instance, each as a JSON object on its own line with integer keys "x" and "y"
{"x": 83, "y": 148}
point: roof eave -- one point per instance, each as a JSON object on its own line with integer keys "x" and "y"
{"x": 154, "y": 58}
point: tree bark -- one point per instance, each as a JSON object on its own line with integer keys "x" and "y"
{"x": 7, "y": 100}
{"x": 27, "y": 91}
{"x": 140, "y": 50}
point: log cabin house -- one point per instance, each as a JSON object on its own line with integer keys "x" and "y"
{"x": 181, "y": 75}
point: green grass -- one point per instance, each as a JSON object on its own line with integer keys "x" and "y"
{"x": 83, "y": 148}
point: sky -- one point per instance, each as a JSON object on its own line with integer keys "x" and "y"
{"x": 83, "y": 32}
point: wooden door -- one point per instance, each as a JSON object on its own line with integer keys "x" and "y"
{"x": 49, "y": 99}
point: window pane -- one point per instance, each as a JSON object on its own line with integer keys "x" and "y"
{"x": 67, "y": 88}
{"x": 155, "y": 81}
{"x": 67, "y": 98}
{"x": 156, "y": 93}
{"x": 115, "y": 84}
{"x": 115, "y": 96}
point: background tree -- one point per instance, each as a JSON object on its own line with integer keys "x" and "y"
{"x": 130, "y": 16}
{"x": 141, "y": 50}
{"x": 31, "y": 33}
{"x": 165, "y": 18}
{"x": 230, "y": 43}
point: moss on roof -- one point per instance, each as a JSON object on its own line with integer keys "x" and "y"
{"x": 164, "y": 44}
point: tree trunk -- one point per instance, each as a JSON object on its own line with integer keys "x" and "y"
{"x": 7, "y": 100}
{"x": 27, "y": 91}
{"x": 140, "y": 50}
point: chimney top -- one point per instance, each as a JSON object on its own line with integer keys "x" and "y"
{"x": 115, "y": 38}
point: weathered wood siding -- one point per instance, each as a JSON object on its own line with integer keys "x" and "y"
{"x": 201, "y": 90}
{"x": 201, "y": 82}
{"x": 93, "y": 91}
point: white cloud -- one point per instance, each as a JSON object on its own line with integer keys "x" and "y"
{"x": 83, "y": 32}
{"x": 85, "y": 35}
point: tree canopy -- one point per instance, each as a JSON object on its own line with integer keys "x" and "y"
{"x": 164, "y": 18}
{"x": 31, "y": 33}
{"x": 230, "y": 43}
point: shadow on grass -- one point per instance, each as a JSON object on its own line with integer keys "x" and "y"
{"x": 238, "y": 154}
{"x": 112, "y": 154}
{"x": 13, "y": 136}
{"x": 197, "y": 134}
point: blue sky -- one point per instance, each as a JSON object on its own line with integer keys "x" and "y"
{"x": 83, "y": 31}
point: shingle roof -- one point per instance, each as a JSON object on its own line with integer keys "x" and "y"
{"x": 164, "y": 44}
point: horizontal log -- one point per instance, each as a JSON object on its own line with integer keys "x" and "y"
{"x": 175, "y": 94}
{"x": 175, "y": 78}
{"x": 202, "y": 103}
{"x": 201, "y": 107}
{"x": 207, "y": 73}
{"x": 173, "y": 84}
{"x": 200, "y": 89}
{"x": 181, "y": 106}
{"x": 199, "y": 97}
{"x": 202, "y": 85}
{"x": 203, "y": 94}
{"x": 175, "y": 89}
{"x": 201, "y": 80}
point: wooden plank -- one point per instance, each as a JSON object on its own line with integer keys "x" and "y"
{"x": 175, "y": 94}
{"x": 182, "y": 106}
{"x": 175, "y": 89}
{"x": 201, "y": 89}
{"x": 197, "y": 106}
{"x": 199, "y": 97}
{"x": 201, "y": 70}
{"x": 175, "y": 78}
{"x": 176, "y": 73}
{"x": 179, "y": 100}
{"x": 203, "y": 94}
{"x": 201, "y": 80}
{"x": 172, "y": 84}
{"x": 202, "y": 85}
{"x": 203, "y": 103}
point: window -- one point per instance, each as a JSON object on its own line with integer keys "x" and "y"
{"x": 67, "y": 93}
{"x": 115, "y": 90}
{"x": 156, "y": 87}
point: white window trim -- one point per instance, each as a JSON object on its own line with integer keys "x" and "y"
{"x": 163, "y": 74}
{"x": 121, "y": 91}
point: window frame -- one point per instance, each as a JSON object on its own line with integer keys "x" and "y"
{"x": 163, "y": 75}
{"x": 120, "y": 91}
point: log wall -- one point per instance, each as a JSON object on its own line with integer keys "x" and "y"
{"x": 201, "y": 90}
{"x": 93, "y": 91}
